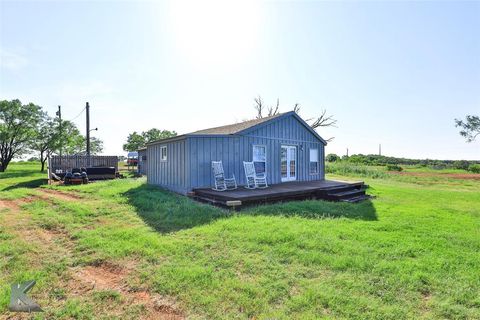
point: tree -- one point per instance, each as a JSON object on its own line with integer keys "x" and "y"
{"x": 72, "y": 140}
{"x": 470, "y": 127}
{"x": 46, "y": 139}
{"x": 74, "y": 143}
{"x": 18, "y": 125}
{"x": 137, "y": 140}
{"x": 323, "y": 120}
{"x": 332, "y": 157}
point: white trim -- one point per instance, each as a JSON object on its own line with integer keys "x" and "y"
{"x": 162, "y": 158}
{"x": 253, "y": 152}
{"x": 289, "y": 176}
{"x": 310, "y": 161}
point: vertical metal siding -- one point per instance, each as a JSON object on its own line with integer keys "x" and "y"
{"x": 188, "y": 162}
{"x": 172, "y": 173}
{"x": 233, "y": 150}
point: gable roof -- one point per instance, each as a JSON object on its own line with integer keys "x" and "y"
{"x": 243, "y": 127}
{"x": 236, "y": 127}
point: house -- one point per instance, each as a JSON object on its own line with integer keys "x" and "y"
{"x": 284, "y": 146}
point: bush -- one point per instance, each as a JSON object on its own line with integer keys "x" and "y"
{"x": 394, "y": 167}
{"x": 349, "y": 169}
{"x": 475, "y": 168}
{"x": 461, "y": 164}
{"x": 332, "y": 157}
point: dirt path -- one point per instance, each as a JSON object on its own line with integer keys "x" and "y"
{"x": 60, "y": 195}
{"x": 50, "y": 247}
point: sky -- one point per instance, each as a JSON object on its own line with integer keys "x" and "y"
{"x": 391, "y": 73}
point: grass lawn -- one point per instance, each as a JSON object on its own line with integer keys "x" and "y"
{"x": 412, "y": 252}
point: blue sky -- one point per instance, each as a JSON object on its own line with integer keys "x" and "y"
{"x": 395, "y": 73}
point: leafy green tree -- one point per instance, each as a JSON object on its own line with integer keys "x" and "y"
{"x": 134, "y": 142}
{"x": 137, "y": 140}
{"x": 18, "y": 124}
{"x": 332, "y": 157}
{"x": 74, "y": 143}
{"x": 470, "y": 127}
{"x": 47, "y": 138}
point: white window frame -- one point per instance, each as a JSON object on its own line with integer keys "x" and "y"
{"x": 163, "y": 157}
{"x": 253, "y": 155}
{"x": 310, "y": 161}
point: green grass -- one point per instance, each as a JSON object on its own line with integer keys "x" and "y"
{"x": 412, "y": 252}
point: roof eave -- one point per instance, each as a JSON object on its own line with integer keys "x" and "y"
{"x": 286, "y": 114}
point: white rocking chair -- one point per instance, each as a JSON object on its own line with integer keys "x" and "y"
{"x": 254, "y": 180}
{"x": 222, "y": 183}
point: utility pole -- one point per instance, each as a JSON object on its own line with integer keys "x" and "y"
{"x": 88, "y": 129}
{"x": 59, "y": 114}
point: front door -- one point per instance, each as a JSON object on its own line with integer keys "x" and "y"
{"x": 288, "y": 163}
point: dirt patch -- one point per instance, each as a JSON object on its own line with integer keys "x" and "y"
{"x": 10, "y": 205}
{"x": 467, "y": 176}
{"x": 59, "y": 194}
{"x": 107, "y": 276}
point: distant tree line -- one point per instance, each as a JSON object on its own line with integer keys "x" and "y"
{"x": 27, "y": 128}
{"x": 378, "y": 160}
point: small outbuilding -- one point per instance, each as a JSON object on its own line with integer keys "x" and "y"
{"x": 142, "y": 161}
{"x": 283, "y": 146}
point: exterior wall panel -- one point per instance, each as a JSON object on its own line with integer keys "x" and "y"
{"x": 189, "y": 160}
{"x": 172, "y": 173}
{"x": 233, "y": 150}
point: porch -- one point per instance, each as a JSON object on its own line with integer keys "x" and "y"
{"x": 295, "y": 190}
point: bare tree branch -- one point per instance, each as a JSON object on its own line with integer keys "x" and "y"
{"x": 296, "y": 108}
{"x": 259, "y": 107}
{"x": 274, "y": 110}
{"x": 323, "y": 121}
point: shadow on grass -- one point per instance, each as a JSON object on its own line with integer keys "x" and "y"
{"x": 27, "y": 184}
{"x": 167, "y": 212}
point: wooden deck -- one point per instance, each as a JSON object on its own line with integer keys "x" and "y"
{"x": 296, "y": 190}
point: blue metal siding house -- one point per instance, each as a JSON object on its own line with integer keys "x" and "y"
{"x": 283, "y": 146}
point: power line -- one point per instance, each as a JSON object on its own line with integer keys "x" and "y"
{"x": 78, "y": 115}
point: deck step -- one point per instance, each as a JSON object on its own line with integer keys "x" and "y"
{"x": 356, "y": 199}
{"x": 345, "y": 188}
{"x": 347, "y": 194}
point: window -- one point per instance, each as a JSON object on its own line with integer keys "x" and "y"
{"x": 260, "y": 159}
{"x": 313, "y": 161}
{"x": 163, "y": 153}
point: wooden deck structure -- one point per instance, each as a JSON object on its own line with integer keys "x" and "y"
{"x": 296, "y": 190}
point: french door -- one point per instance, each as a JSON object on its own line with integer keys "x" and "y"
{"x": 288, "y": 163}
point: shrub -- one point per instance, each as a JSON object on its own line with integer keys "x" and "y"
{"x": 461, "y": 164}
{"x": 475, "y": 168}
{"x": 348, "y": 169}
{"x": 332, "y": 157}
{"x": 394, "y": 167}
